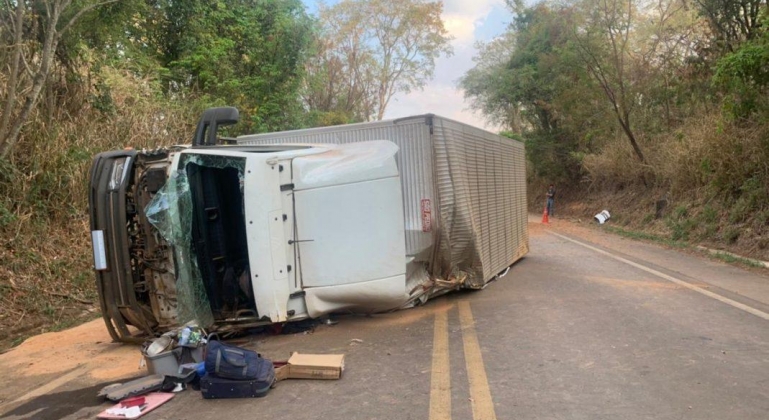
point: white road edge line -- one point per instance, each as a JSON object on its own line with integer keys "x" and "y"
{"x": 734, "y": 303}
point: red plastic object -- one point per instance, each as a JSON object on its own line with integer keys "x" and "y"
{"x": 133, "y": 401}
{"x": 153, "y": 400}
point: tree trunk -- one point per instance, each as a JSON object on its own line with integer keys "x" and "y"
{"x": 381, "y": 104}
{"x": 9, "y": 136}
{"x": 619, "y": 112}
{"x": 10, "y": 100}
{"x": 46, "y": 58}
{"x": 631, "y": 137}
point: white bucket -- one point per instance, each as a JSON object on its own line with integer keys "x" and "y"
{"x": 602, "y": 217}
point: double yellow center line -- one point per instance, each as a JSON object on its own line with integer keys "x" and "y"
{"x": 440, "y": 380}
{"x": 440, "y": 383}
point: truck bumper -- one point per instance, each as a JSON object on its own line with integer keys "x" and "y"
{"x": 109, "y": 212}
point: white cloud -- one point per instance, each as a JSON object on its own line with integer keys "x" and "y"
{"x": 462, "y": 28}
{"x": 470, "y": 7}
{"x": 442, "y": 100}
{"x": 462, "y": 18}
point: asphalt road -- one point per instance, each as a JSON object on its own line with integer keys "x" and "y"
{"x": 587, "y": 326}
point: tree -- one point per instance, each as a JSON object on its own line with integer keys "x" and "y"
{"x": 744, "y": 75}
{"x": 604, "y": 41}
{"x": 667, "y": 39}
{"x": 573, "y": 78}
{"x": 339, "y": 79}
{"x": 628, "y": 47}
{"x": 732, "y": 22}
{"x": 488, "y": 85}
{"x": 373, "y": 49}
{"x": 246, "y": 53}
{"x": 32, "y": 32}
{"x": 531, "y": 81}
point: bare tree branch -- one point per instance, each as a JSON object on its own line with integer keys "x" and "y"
{"x": 11, "y": 128}
{"x": 387, "y": 47}
{"x": 618, "y": 34}
{"x": 80, "y": 13}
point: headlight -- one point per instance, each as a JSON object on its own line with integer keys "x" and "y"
{"x": 119, "y": 172}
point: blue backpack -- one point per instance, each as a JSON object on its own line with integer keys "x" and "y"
{"x": 231, "y": 362}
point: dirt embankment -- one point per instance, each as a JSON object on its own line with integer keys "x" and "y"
{"x": 684, "y": 220}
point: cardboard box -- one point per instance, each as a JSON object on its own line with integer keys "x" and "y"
{"x": 281, "y": 372}
{"x": 311, "y": 366}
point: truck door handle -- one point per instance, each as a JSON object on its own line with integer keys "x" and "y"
{"x": 291, "y": 241}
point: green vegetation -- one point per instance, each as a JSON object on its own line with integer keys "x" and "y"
{"x": 646, "y": 237}
{"x": 18, "y": 340}
{"x": 681, "y": 244}
{"x": 661, "y": 101}
{"x": 731, "y": 259}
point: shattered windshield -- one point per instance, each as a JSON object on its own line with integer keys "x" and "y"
{"x": 172, "y": 212}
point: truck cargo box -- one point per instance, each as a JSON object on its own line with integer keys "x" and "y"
{"x": 464, "y": 192}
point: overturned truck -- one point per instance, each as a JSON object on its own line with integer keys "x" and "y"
{"x": 269, "y": 228}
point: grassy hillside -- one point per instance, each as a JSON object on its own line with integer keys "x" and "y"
{"x": 45, "y": 253}
{"x": 706, "y": 183}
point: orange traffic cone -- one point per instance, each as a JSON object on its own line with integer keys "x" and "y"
{"x": 544, "y": 216}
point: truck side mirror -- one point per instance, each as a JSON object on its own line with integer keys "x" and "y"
{"x": 212, "y": 118}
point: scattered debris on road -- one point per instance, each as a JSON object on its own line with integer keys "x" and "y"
{"x": 602, "y": 217}
{"x": 187, "y": 357}
{"x": 120, "y": 391}
{"x": 313, "y": 366}
{"x": 133, "y": 408}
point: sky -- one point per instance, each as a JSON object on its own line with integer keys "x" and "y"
{"x": 468, "y": 21}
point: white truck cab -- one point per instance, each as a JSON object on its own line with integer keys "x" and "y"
{"x": 265, "y": 234}
{"x": 323, "y": 224}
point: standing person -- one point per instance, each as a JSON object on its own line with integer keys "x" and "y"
{"x": 550, "y": 199}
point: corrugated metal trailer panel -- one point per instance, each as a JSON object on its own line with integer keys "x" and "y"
{"x": 472, "y": 181}
{"x": 482, "y": 194}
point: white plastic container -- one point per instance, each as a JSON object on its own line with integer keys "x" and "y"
{"x": 602, "y": 217}
{"x": 165, "y": 363}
